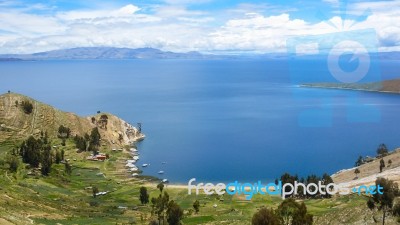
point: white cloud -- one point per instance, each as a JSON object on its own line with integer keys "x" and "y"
{"x": 176, "y": 28}
{"x": 333, "y": 2}
{"x": 92, "y": 14}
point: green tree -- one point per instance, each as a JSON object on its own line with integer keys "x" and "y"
{"x": 13, "y": 163}
{"x": 144, "y": 196}
{"x": 58, "y": 157}
{"x": 356, "y": 171}
{"x": 64, "y": 132}
{"x": 104, "y": 121}
{"x": 381, "y": 165}
{"x": 266, "y": 217}
{"x": 27, "y": 107}
{"x": 80, "y": 143}
{"x": 62, "y": 154}
{"x": 326, "y": 179}
{"x": 95, "y": 137}
{"x": 301, "y": 217}
{"x": 47, "y": 160}
{"x": 68, "y": 168}
{"x": 287, "y": 209}
{"x": 384, "y": 202}
{"x": 196, "y": 206}
{"x": 160, "y": 186}
{"x": 293, "y": 213}
{"x": 174, "y": 213}
{"x": 30, "y": 151}
{"x": 359, "y": 161}
{"x": 382, "y": 150}
{"x": 160, "y": 206}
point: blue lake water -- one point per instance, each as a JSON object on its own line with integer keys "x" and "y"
{"x": 220, "y": 120}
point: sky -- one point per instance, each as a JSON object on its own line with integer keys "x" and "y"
{"x": 208, "y": 26}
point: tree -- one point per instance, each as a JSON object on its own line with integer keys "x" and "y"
{"x": 95, "y": 137}
{"x": 95, "y": 190}
{"x": 62, "y": 154}
{"x": 287, "y": 209}
{"x": 30, "y": 151}
{"x": 58, "y": 157}
{"x": 293, "y": 213}
{"x": 87, "y": 137}
{"x": 68, "y": 168}
{"x": 381, "y": 165}
{"x": 160, "y": 186}
{"x": 16, "y": 103}
{"x": 104, "y": 121}
{"x": 196, "y": 206}
{"x": 266, "y": 217}
{"x": 356, "y": 171}
{"x": 93, "y": 120}
{"x": 46, "y": 138}
{"x": 326, "y": 179}
{"x": 47, "y": 160}
{"x": 382, "y": 150}
{"x": 27, "y": 107}
{"x": 64, "y": 132}
{"x": 13, "y": 164}
{"x": 80, "y": 143}
{"x": 301, "y": 217}
{"x": 159, "y": 206}
{"x": 144, "y": 196}
{"x": 390, "y": 162}
{"x": 174, "y": 213}
{"x": 384, "y": 202}
{"x": 359, "y": 161}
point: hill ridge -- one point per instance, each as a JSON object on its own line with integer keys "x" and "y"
{"x": 16, "y": 124}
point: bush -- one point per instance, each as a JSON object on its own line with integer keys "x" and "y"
{"x": 27, "y": 107}
{"x": 94, "y": 203}
{"x": 14, "y": 163}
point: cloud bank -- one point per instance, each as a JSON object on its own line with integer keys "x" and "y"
{"x": 174, "y": 26}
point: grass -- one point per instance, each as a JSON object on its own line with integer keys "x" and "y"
{"x": 64, "y": 199}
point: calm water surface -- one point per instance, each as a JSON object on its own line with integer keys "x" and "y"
{"x": 219, "y": 120}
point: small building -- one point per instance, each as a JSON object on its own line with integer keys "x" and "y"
{"x": 101, "y": 157}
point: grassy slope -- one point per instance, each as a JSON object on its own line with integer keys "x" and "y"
{"x": 58, "y": 198}
{"x": 15, "y": 124}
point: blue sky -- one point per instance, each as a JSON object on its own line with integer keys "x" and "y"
{"x": 257, "y": 26}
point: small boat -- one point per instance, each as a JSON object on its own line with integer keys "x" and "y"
{"x": 135, "y": 174}
{"x": 160, "y": 172}
{"x": 165, "y": 180}
{"x": 145, "y": 165}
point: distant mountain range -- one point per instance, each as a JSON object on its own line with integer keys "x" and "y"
{"x": 152, "y": 53}
{"x": 104, "y": 53}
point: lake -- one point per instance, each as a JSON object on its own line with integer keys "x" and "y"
{"x": 220, "y": 120}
